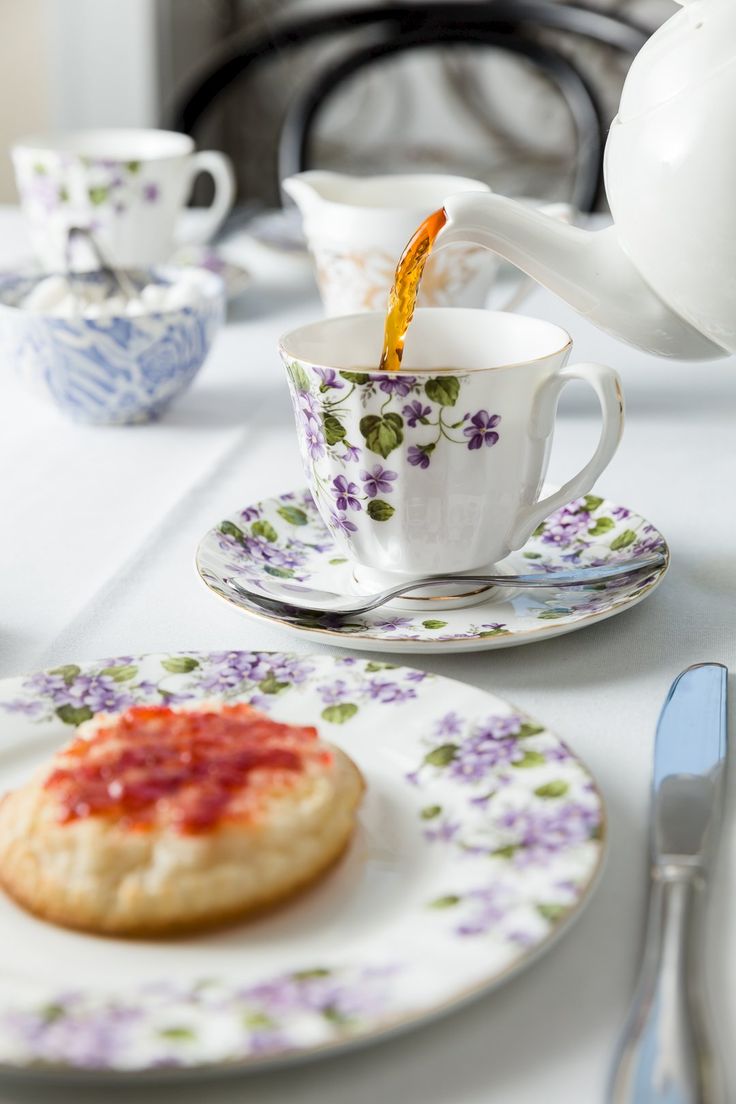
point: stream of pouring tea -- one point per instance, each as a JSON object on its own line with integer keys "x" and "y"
{"x": 403, "y": 297}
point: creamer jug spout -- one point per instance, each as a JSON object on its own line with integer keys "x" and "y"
{"x": 311, "y": 189}
{"x": 588, "y": 269}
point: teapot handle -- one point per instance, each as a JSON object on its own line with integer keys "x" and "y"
{"x": 607, "y": 386}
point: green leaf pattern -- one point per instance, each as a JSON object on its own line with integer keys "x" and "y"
{"x": 340, "y": 713}
{"x": 265, "y": 530}
{"x": 334, "y": 429}
{"x": 382, "y": 434}
{"x": 292, "y": 515}
{"x": 402, "y": 420}
{"x": 379, "y": 510}
{"x": 443, "y": 390}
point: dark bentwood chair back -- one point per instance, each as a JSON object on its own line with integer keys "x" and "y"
{"x": 295, "y": 146}
{"x": 509, "y": 25}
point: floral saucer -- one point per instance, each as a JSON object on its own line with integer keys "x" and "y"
{"x": 235, "y": 277}
{"x": 286, "y": 538}
{"x": 480, "y": 838}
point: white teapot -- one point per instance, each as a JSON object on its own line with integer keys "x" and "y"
{"x": 664, "y": 276}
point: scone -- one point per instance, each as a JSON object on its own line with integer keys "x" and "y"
{"x": 163, "y": 819}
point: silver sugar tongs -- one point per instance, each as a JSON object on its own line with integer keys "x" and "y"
{"x": 117, "y": 278}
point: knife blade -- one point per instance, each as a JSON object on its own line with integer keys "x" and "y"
{"x": 689, "y": 758}
{"x": 666, "y": 1055}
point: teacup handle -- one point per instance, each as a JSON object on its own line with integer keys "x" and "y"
{"x": 607, "y": 386}
{"x": 220, "y": 168}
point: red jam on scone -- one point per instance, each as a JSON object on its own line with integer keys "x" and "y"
{"x": 194, "y": 769}
{"x": 162, "y": 820}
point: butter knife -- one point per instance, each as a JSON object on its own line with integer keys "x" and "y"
{"x": 667, "y": 1054}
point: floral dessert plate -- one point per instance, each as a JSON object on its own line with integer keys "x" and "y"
{"x": 479, "y": 839}
{"x": 285, "y": 538}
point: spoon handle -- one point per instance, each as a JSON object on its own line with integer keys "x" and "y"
{"x": 579, "y": 576}
{"x": 582, "y": 576}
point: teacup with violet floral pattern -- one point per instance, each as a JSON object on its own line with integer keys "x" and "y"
{"x": 437, "y": 468}
{"x": 128, "y": 187}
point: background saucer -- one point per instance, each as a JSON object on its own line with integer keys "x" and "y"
{"x": 286, "y": 538}
{"x": 235, "y": 277}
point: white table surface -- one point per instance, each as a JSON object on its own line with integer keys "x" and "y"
{"x": 99, "y": 528}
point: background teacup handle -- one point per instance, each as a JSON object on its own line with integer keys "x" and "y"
{"x": 220, "y": 169}
{"x": 607, "y": 386}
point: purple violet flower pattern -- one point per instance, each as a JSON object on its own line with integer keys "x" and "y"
{"x": 378, "y": 481}
{"x": 164, "y": 1025}
{"x": 567, "y": 525}
{"x": 330, "y": 379}
{"x": 449, "y": 725}
{"x": 405, "y": 417}
{"x": 345, "y": 493}
{"x": 314, "y": 437}
{"x": 482, "y": 430}
{"x": 398, "y": 384}
{"x": 74, "y": 695}
{"x": 415, "y": 412}
{"x": 309, "y": 404}
{"x": 418, "y": 456}
{"x": 342, "y": 524}
{"x": 487, "y": 759}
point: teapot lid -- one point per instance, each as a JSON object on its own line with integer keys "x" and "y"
{"x": 686, "y": 50}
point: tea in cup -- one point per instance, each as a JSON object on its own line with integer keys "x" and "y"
{"x": 357, "y": 227}
{"x": 437, "y": 468}
{"x": 129, "y": 187}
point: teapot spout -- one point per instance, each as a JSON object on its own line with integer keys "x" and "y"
{"x": 588, "y": 269}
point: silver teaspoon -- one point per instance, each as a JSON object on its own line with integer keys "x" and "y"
{"x": 295, "y": 598}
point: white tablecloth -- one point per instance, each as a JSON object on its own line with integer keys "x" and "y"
{"x": 99, "y": 528}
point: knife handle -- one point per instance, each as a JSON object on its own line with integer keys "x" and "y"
{"x": 666, "y": 1055}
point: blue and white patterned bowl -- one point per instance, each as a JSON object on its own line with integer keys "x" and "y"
{"x": 111, "y": 371}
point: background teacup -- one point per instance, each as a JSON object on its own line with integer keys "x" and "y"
{"x": 127, "y": 186}
{"x": 357, "y": 227}
{"x": 439, "y": 467}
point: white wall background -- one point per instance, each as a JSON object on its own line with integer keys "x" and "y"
{"x": 24, "y": 86}
{"x": 102, "y": 62}
{"x": 75, "y": 63}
